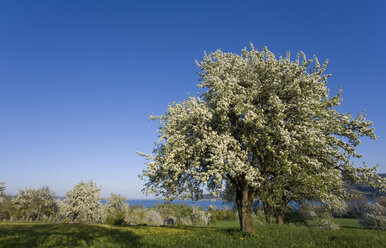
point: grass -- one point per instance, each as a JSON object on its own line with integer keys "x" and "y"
{"x": 347, "y": 223}
{"x": 226, "y": 224}
{"x": 342, "y": 222}
{"x": 82, "y": 235}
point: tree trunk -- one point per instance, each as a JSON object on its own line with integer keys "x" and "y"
{"x": 267, "y": 212}
{"x": 279, "y": 218}
{"x": 244, "y": 202}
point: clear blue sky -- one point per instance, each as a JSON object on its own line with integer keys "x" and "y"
{"x": 78, "y": 79}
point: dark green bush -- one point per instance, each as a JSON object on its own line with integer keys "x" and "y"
{"x": 116, "y": 218}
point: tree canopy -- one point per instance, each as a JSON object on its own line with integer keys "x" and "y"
{"x": 3, "y": 187}
{"x": 83, "y": 203}
{"x": 265, "y": 126}
{"x": 36, "y": 204}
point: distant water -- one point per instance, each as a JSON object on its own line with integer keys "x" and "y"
{"x": 202, "y": 203}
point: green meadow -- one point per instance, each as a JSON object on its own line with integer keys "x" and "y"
{"x": 222, "y": 234}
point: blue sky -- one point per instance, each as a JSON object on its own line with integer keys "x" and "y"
{"x": 78, "y": 79}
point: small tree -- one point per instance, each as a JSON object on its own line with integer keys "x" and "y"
{"x": 84, "y": 203}
{"x": 264, "y": 126}
{"x": 2, "y": 189}
{"x": 154, "y": 218}
{"x": 7, "y": 208}
{"x": 62, "y": 211}
{"x": 2, "y": 196}
{"x": 326, "y": 221}
{"x": 374, "y": 216}
{"x": 36, "y": 204}
{"x": 116, "y": 209}
{"x": 137, "y": 216}
{"x": 200, "y": 216}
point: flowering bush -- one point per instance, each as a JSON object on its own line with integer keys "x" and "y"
{"x": 374, "y": 216}
{"x": 185, "y": 221}
{"x": 154, "y": 218}
{"x": 199, "y": 216}
{"x": 221, "y": 214}
{"x": 83, "y": 203}
{"x": 326, "y": 221}
{"x": 116, "y": 210}
{"x": 36, "y": 204}
{"x": 169, "y": 214}
{"x": 137, "y": 216}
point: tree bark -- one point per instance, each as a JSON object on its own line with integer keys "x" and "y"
{"x": 244, "y": 201}
{"x": 267, "y": 212}
{"x": 279, "y": 218}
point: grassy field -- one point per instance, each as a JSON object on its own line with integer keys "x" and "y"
{"x": 347, "y": 223}
{"x": 342, "y": 222}
{"x": 80, "y": 235}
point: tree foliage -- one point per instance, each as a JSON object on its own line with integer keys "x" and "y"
{"x": 2, "y": 189}
{"x": 116, "y": 209}
{"x": 265, "y": 126}
{"x": 7, "y": 208}
{"x": 36, "y": 204}
{"x": 374, "y": 216}
{"x": 83, "y": 203}
{"x": 116, "y": 202}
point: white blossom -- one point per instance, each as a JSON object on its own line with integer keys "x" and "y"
{"x": 83, "y": 203}
{"x": 264, "y": 125}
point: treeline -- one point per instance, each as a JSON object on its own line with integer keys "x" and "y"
{"x": 83, "y": 204}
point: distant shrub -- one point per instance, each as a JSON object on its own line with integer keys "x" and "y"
{"x": 83, "y": 203}
{"x": 35, "y": 204}
{"x": 115, "y": 218}
{"x": 2, "y": 190}
{"x": 8, "y": 210}
{"x": 167, "y": 212}
{"x": 62, "y": 211}
{"x": 7, "y": 207}
{"x": 183, "y": 214}
{"x": 299, "y": 214}
{"x": 137, "y": 216}
{"x": 153, "y": 218}
{"x": 116, "y": 210}
{"x": 221, "y": 214}
{"x": 179, "y": 212}
{"x": 355, "y": 207}
{"x": 295, "y": 216}
{"x": 260, "y": 218}
{"x": 308, "y": 209}
{"x": 326, "y": 221}
{"x": 185, "y": 221}
{"x": 200, "y": 217}
{"x": 374, "y": 216}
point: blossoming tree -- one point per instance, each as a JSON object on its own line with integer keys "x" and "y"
{"x": 36, "y": 204}
{"x": 263, "y": 125}
{"x": 82, "y": 203}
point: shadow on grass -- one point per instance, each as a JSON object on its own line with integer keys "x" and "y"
{"x": 65, "y": 235}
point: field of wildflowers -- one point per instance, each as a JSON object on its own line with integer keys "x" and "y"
{"x": 82, "y": 235}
